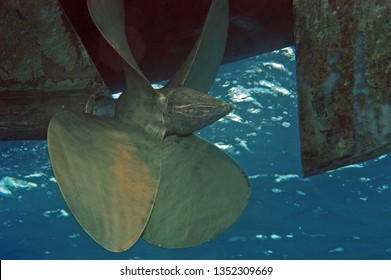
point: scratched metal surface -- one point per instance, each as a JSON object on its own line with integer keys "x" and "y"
{"x": 344, "y": 81}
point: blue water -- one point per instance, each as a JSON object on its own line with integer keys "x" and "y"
{"x": 344, "y": 214}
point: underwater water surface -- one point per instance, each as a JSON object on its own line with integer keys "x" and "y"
{"x": 343, "y": 214}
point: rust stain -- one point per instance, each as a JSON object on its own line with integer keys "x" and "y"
{"x": 344, "y": 81}
{"x": 42, "y": 61}
{"x": 40, "y": 49}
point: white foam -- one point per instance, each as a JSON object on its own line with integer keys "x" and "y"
{"x": 301, "y": 193}
{"x": 365, "y": 179}
{"x": 240, "y": 94}
{"x": 275, "y": 65}
{"x": 358, "y": 165}
{"x": 58, "y": 213}
{"x": 243, "y": 143}
{"x": 337, "y": 250}
{"x": 5, "y": 192}
{"x": 257, "y": 176}
{"x": 234, "y": 117}
{"x": 268, "y": 252}
{"x": 275, "y": 190}
{"x": 35, "y": 175}
{"x": 282, "y": 178}
{"x": 226, "y": 147}
{"x": 261, "y": 236}
{"x": 275, "y": 237}
{"x": 8, "y": 184}
{"x": 382, "y": 188}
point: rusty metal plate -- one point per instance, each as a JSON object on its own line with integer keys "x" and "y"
{"x": 344, "y": 81}
{"x": 44, "y": 68}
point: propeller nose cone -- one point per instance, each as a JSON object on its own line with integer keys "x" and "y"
{"x": 189, "y": 110}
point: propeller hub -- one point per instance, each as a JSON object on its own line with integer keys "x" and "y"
{"x": 189, "y": 110}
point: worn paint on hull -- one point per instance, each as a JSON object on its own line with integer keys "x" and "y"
{"x": 44, "y": 68}
{"x": 344, "y": 81}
